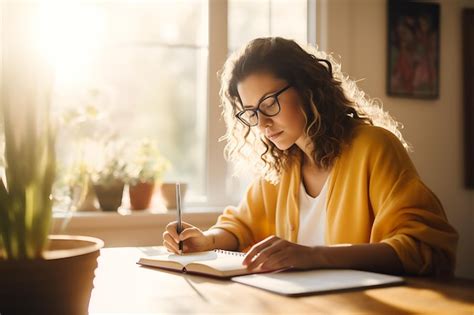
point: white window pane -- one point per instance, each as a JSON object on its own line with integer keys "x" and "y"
{"x": 169, "y": 21}
{"x": 289, "y": 19}
{"x": 249, "y": 19}
{"x": 157, "y": 96}
{"x": 148, "y": 71}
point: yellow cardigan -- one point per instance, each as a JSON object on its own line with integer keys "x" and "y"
{"x": 375, "y": 195}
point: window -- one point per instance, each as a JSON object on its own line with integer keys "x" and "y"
{"x": 285, "y": 18}
{"x": 150, "y": 68}
{"x": 146, "y": 69}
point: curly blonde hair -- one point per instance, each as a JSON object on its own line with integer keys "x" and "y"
{"x": 332, "y": 105}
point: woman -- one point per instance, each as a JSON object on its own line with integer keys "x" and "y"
{"x": 336, "y": 187}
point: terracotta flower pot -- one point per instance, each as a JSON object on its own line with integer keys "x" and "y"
{"x": 60, "y": 283}
{"x": 140, "y": 195}
{"x": 110, "y": 195}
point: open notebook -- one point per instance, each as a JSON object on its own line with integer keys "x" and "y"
{"x": 295, "y": 283}
{"x": 217, "y": 263}
{"x": 226, "y": 264}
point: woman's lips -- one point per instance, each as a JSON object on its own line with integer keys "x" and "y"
{"x": 274, "y": 135}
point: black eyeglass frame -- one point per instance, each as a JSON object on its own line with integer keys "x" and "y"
{"x": 256, "y": 110}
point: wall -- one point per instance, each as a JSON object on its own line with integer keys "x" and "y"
{"x": 357, "y": 31}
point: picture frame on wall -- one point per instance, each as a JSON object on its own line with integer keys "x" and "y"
{"x": 413, "y": 49}
{"x": 468, "y": 93}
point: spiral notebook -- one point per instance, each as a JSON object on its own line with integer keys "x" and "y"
{"x": 227, "y": 264}
{"x": 217, "y": 263}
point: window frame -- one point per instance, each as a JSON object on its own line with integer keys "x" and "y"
{"x": 218, "y": 189}
{"x": 221, "y": 187}
{"x": 220, "y": 184}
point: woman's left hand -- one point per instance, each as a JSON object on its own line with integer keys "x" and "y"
{"x": 274, "y": 253}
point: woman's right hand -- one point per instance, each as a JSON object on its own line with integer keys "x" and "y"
{"x": 194, "y": 240}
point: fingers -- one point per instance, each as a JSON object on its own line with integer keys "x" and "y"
{"x": 189, "y": 233}
{"x": 266, "y": 256}
{"x": 262, "y": 251}
{"x": 282, "y": 254}
{"x": 174, "y": 225}
{"x": 171, "y": 228}
{"x": 278, "y": 260}
{"x": 169, "y": 243}
{"x": 171, "y": 238}
{"x": 255, "y": 250}
{"x": 185, "y": 225}
{"x": 170, "y": 247}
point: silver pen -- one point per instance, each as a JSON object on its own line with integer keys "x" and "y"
{"x": 178, "y": 207}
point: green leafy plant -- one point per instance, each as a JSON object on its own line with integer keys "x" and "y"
{"x": 147, "y": 164}
{"x": 25, "y": 191}
{"x": 112, "y": 165}
{"x": 83, "y": 127}
{"x": 112, "y": 170}
{"x": 71, "y": 186}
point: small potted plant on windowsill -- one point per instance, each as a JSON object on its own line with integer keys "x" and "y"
{"x": 144, "y": 171}
{"x": 109, "y": 182}
{"x": 83, "y": 194}
{"x": 82, "y": 126}
{"x": 74, "y": 189}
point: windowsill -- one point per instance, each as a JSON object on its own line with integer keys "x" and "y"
{"x": 130, "y": 228}
{"x": 130, "y": 213}
{"x": 130, "y": 218}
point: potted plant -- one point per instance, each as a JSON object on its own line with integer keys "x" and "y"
{"x": 73, "y": 190}
{"x": 79, "y": 183}
{"x": 81, "y": 125}
{"x": 109, "y": 176}
{"x": 40, "y": 273}
{"x": 144, "y": 171}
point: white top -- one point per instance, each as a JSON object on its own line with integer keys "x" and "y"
{"x": 312, "y": 225}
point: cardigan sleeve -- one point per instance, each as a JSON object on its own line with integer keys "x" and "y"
{"x": 408, "y": 216}
{"x": 250, "y": 221}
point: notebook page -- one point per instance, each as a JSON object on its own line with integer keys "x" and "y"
{"x": 217, "y": 262}
{"x": 185, "y": 259}
{"x": 301, "y": 282}
{"x": 226, "y": 261}
{"x": 218, "y": 259}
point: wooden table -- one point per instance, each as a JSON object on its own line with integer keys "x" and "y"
{"x": 122, "y": 286}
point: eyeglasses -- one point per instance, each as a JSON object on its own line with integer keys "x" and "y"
{"x": 269, "y": 106}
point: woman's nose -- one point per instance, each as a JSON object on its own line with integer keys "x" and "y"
{"x": 264, "y": 121}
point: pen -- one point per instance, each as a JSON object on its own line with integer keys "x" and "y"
{"x": 178, "y": 207}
